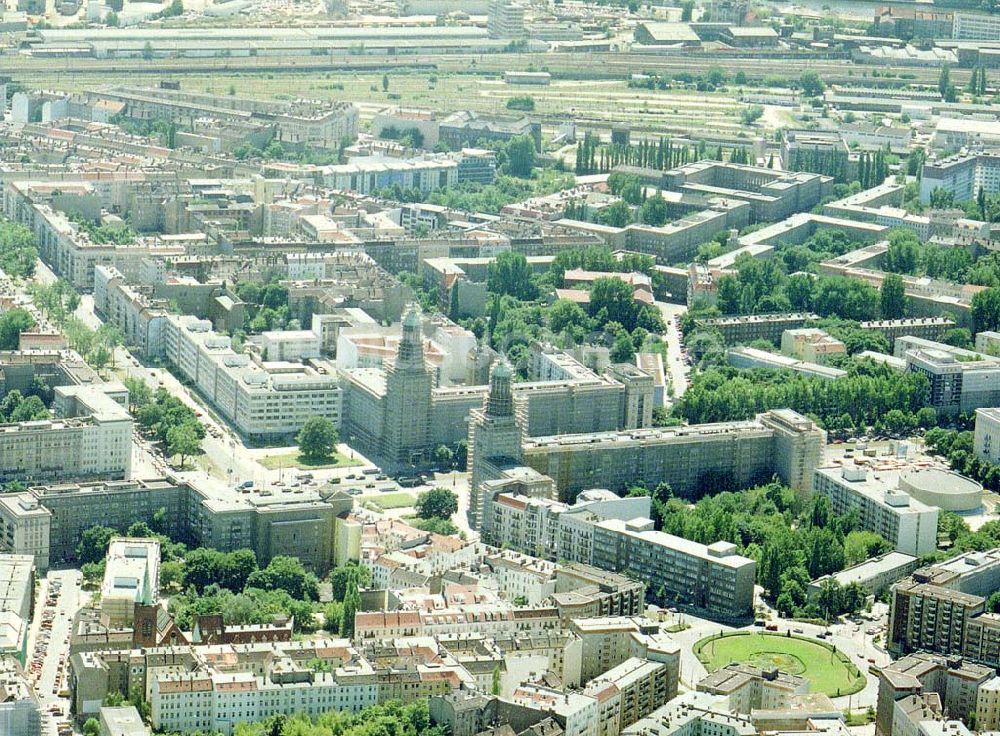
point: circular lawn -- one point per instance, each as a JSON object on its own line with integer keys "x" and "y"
{"x": 828, "y": 671}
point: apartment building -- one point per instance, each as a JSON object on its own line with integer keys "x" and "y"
{"x": 688, "y": 458}
{"x": 494, "y": 439}
{"x": 578, "y": 714}
{"x": 988, "y": 705}
{"x": 519, "y": 519}
{"x": 960, "y": 380}
{"x": 295, "y": 123}
{"x": 927, "y": 297}
{"x": 559, "y": 651}
{"x": 505, "y": 19}
{"x": 745, "y": 329}
{"x": 47, "y": 521}
{"x": 961, "y": 175}
{"x": 942, "y": 609}
{"x": 369, "y": 174}
{"x": 521, "y": 577}
{"x": 615, "y": 534}
{"x": 875, "y": 575}
{"x": 883, "y": 505}
{"x": 772, "y": 195}
{"x": 745, "y": 357}
{"x": 91, "y": 438}
{"x": 261, "y": 399}
{"x": 467, "y": 128}
{"x": 17, "y": 592}
{"x": 710, "y": 578}
{"x": 404, "y": 120}
{"x": 693, "y": 714}
{"x": 928, "y": 328}
{"x": 988, "y": 342}
{"x": 987, "y": 437}
{"x": 20, "y": 711}
{"x": 489, "y": 619}
{"x": 64, "y": 246}
{"x": 608, "y": 641}
{"x": 24, "y": 528}
{"x": 975, "y": 27}
{"x": 954, "y": 682}
{"x": 751, "y": 688}
{"x": 626, "y": 686}
{"x": 628, "y": 692}
{"x": 584, "y": 591}
{"x": 140, "y": 318}
{"x": 444, "y": 415}
{"x": 811, "y": 344}
{"x": 216, "y": 702}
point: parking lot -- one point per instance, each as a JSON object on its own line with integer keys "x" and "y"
{"x": 59, "y": 598}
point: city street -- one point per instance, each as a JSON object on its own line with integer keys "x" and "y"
{"x": 59, "y": 598}
{"x": 676, "y": 367}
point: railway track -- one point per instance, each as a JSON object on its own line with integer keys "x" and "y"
{"x": 595, "y": 65}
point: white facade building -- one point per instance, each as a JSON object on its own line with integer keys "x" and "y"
{"x": 91, "y": 439}
{"x": 261, "y": 398}
{"x": 987, "y": 442}
{"x": 882, "y": 506}
{"x": 217, "y": 702}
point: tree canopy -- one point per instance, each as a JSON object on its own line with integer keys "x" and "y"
{"x": 438, "y": 503}
{"x": 317, "y": 439}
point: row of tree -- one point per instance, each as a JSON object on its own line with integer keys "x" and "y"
{"x": 873, "y": 168}
{"x": 977, "y": 81}
{"x": 908, "y": 255}
{"x": 866, "y": 395}
{"x": 594, "y": 157}
{"x": 18, "y": 254}
{"x": 762, "y": 287}
{"x": 166, "y": 418}
{"x": 387, "y": 719}
{"x": 59, "y": 301}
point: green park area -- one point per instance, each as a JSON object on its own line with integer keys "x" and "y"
{"x": 388, "y": 501}
{"x": 828, "y": 670}
{"x": 297, "y": 460}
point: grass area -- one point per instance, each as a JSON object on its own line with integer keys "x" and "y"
{"x": 390, "y": 500}
{"x": 295, "y": 460}
{"x": 827, "y": 670}
{"x": 860, "y": 718}
{"x": 438, "y": 526}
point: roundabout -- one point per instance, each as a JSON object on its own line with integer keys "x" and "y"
{"x": 828, "y": 671}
